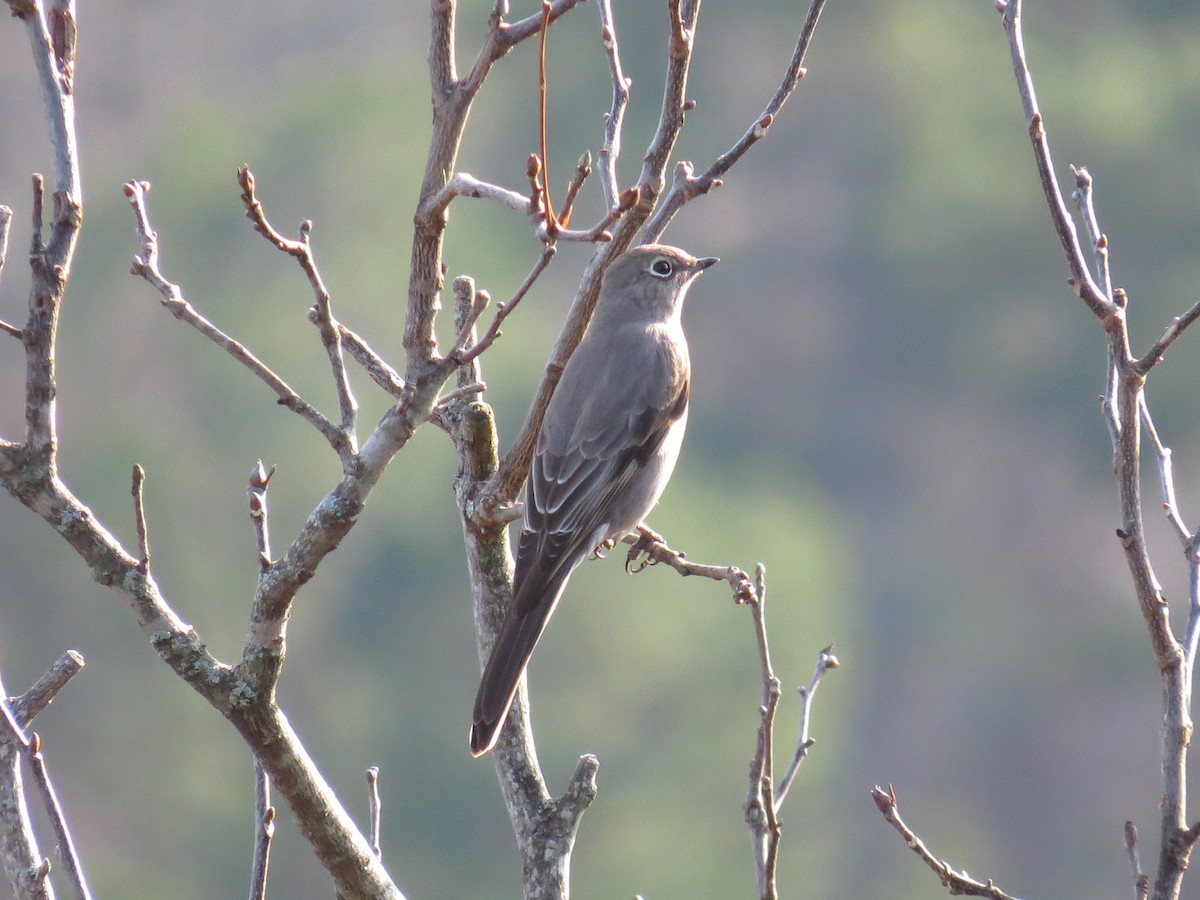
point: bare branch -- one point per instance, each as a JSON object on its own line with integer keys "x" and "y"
{"x": 646, "y": 542}
{"x": 614, "y": 120}
{"x": 264, "y": 831}
{"x": 378, "y": 370}
{"x": 146, "y": 266}
{"x": 321, "y": 313}
{"x": 1166, "y": 475}
{"x": 957, "y": 883}
{"x": 6, "y": 215}
{"x": 26, "y": 707}
{"x": 27, "y": 870}
{"x": 139, "y": 516}
{"x": 463, "y": 184}
{"x": 1125, "y": 410}
{"x": 374, "y": 809}
{"x": 685, "y": 187}
{"x": 260, "y": 478}
{"x": 513, "y": 34}
{"x": 682, "y": 15}
{"x": 825, "y": 661}
{"x": 463, "y": 354}
{"x": 58, "y": 821}
{"x": 762, "y": 813}
{"x": 583, "y": 169}
{"x": 1084, "y": 285}
{"x": 63, "y": 35}
{"x": 1141, "y": 881}
{"x": 1084, "y": 202}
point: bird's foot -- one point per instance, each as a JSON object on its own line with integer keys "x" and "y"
{"x": 647, "y": 538}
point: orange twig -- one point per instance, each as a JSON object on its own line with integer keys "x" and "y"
{"x": 552, "y": 223}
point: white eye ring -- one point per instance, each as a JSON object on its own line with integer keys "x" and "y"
{"x": 662, "y": 268}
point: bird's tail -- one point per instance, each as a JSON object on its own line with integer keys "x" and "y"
{"x": 523, "y": 625}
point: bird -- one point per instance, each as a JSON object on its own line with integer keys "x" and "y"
{"x": 605, "y": 451}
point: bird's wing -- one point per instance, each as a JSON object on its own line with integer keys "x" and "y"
{"x": 596, "y": 436}
{"x": 587, "y": 455}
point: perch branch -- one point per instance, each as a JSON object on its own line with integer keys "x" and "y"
{"x": 654, "y": 550}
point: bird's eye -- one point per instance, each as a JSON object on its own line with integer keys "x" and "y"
{"x": 662, "y": 268}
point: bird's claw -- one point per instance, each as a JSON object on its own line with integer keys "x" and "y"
{"x": 645, "y": 540}
{"x": 601, "y": 550}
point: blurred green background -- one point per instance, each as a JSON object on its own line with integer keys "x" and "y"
{"x": 894, "y": 409}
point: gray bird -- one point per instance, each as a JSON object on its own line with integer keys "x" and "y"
{"x": 608, "y": 443}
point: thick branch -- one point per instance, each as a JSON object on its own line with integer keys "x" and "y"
{"x": 26, "y": 707}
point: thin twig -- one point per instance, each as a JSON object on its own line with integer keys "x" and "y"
{"x": 583, "y": 169}
{"x": 6, "y": 216}
{"x": 825, "y": 661}
{"x": 1141, "y": 881}
{"x": 463, "y": 354}
{"x": 139, "y": 516}
{"x": 378, "y": 370}
{"x": 32, "y": 746}
{"x": 146, "y": 266}
{"x": 1166, "y": 476}
{"x": 614, "y": 119}
{"x": 762, "y": 813}
{"x": 685, "y": 187}
{"x": 374, "y": 810}
{"x": 260, "y": 478}
{"x": 58, "y": 821}
{"x": 957, "y": 882}
{"x": 321, "y": 313}
{"x": 1084, "y": 284}
{"x": 468, "y": 306}
{"x": 1083, "y": 195}
{"x": 464, "y": 185}
{"x": 264, "y": 831}
{"x": 552, "y": 224}
{"x": 1084, "y": 202}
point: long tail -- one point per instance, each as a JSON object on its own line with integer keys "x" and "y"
{"x": 524, "y": 624}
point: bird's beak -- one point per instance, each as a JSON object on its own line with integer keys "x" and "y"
{"x": 704, "y": 262}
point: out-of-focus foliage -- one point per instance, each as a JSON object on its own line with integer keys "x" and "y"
{"x": 893, "y": 408}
